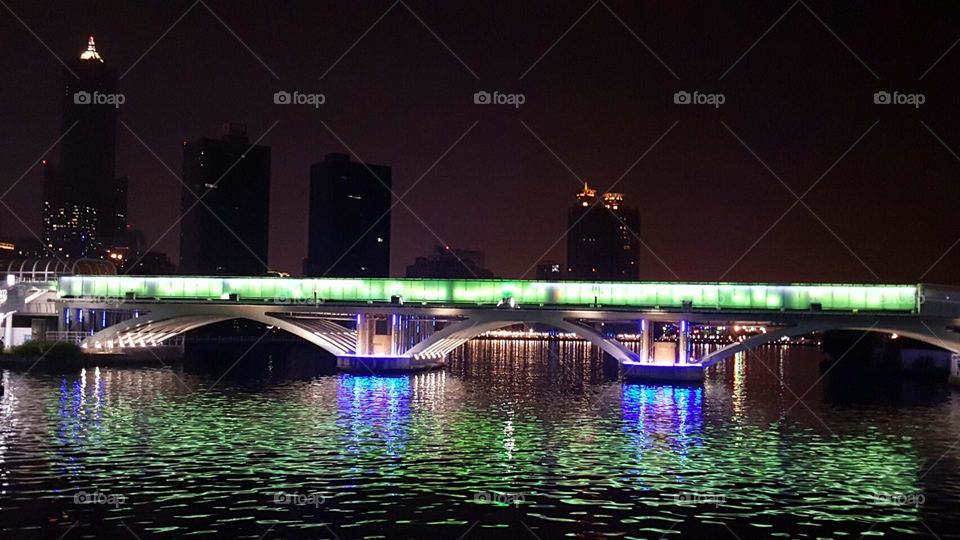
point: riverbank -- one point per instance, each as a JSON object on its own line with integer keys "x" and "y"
{"x": 136, "y": 358}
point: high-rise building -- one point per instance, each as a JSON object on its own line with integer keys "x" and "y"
{"x": 602, "y": 242}
{"x": 227, "y": 233}
{"x": 84, "y": 203}
{"x": 349, "y": 231}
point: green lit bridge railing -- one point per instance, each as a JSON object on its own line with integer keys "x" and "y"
{"x": 530, "y": 294}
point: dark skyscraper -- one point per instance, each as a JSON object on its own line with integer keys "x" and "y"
{"x": 602, "y": 242}
{"x": 85, "y": 204}
{"x": 227, "y": 233}
{"x": 349, "y": 232}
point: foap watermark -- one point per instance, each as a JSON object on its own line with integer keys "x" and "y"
{"x": 297, "y": 498}
{"x": 82, "y": 97}
{"x": 96, "y": 497}
{"x": 296, "y": 97}
{"x": 898, "y": 98}
{"x": 497, "y": 98}
{"x": 683, "y": 97}
{"x": 900, "y": 499}
{"x": 700, "y": 498}
{"x": 498, "y": 497}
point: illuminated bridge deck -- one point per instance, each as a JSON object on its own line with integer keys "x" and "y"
{"x": 365, "y": 325}
{"x": 489, "y": 292}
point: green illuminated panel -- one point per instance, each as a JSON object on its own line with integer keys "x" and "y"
{"x": 752, "y": 296}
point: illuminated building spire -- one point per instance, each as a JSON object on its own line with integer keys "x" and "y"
{"x": 91, "y": 52}
{"x": 587, "y": 196}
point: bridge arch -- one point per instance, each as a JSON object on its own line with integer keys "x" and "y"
{"x": 456, "y": 334}
{"x": 151, "y": 329}
{"x": 932, "y": 335}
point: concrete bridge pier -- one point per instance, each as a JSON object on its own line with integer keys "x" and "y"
{"x": 384, "y": 343}
{"x": 7, "y": 330}
{"x": 645, "y": 329}
{"x": 377, "y": 364}
{"x": 679, "y": 367}
{"x": 683, "y": 342}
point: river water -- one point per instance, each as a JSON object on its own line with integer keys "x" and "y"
{"x": 511, "y": 440}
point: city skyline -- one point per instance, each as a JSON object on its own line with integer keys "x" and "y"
{"x": 711, "y": 210}
{"x": 499, "y": 269}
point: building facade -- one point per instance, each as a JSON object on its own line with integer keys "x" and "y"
{"x": 349, "y": 230}
{"x": 603, "y": 238}
{"x": 227, "y": 233}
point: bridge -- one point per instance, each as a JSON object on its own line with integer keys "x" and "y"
{"x": 409, "y": 324}
{"x": 29, "y": 289}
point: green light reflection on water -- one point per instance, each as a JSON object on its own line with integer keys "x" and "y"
{"x": 385, "y": 442}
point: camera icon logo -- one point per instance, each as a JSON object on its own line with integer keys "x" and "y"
{"x": 882, "y": 98}
{"x": 681, "y": 98}
{"x": 482, "y": 98}
{"x": 82, "y": 97}
{"x": 282, "y": 97}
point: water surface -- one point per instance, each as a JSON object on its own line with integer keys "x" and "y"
{"x": 513, "y": 439}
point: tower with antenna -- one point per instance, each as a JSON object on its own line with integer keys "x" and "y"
{"x": 84, "y": 202}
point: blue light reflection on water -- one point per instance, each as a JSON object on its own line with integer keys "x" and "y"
{"x": 79, "y": 417}
{"x": 373, "y": 413}
{"x": 663, "y": 416}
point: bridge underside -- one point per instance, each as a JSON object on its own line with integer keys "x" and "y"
{"x": 151, "y": 328}
{"x": 376, "y": 339}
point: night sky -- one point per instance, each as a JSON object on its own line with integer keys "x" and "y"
{"x": 599, "y": 81}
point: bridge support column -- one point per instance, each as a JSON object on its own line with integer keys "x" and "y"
{"x": 644, "y": 341}
{"x": 955, "y": 369}
{"x": 398, "y": 329}
{"x": 364, "y": 335}
{"x": 8, "y": 331}
{"x": 683, "y": 342}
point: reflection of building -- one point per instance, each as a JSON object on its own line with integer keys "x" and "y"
{"x": 450, "y": 263}
{"x": 349, "y": 231}
{"x": 602, "y": 243}
{"x": 226, "y": 233}
{"x": 85, "y": 204}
